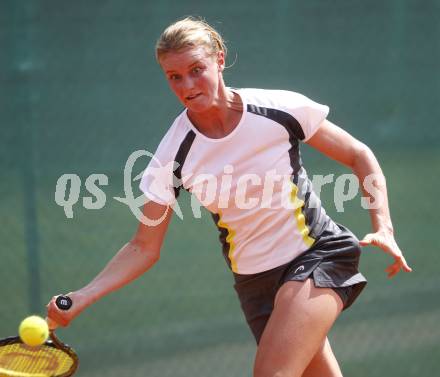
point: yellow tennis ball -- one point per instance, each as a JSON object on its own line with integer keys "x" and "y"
{"x": 33, "y": 330}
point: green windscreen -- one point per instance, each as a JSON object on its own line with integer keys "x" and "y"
{"x": 80, "y": 91}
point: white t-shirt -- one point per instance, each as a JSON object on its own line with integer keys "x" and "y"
{"x": 252, "y": 180}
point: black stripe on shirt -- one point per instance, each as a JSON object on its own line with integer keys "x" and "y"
{"x": 292, "y": 127}
{"x": 281, "y": 117}
{"x": 315, "y": 217}
{"x": 180, "y": 158}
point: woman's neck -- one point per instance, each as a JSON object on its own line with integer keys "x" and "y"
{"x": 222, "y": 118}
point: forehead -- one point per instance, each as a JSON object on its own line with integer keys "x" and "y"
{"x": 174, "y": 60}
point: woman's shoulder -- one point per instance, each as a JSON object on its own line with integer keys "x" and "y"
{"x": 265, "y": 91}
{"x": 180, "y": 125}
{"x": 272, "y": 97}
{"x": 176, "y": 133}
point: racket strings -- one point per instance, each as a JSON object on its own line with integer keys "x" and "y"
{"x": 39, "y": 361}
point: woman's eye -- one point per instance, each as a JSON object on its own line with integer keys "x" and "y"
{"x": 197, "y": 70}
{"x": 174, "y": 77}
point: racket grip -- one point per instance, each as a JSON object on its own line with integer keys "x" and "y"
{"x": 63, "y": 302}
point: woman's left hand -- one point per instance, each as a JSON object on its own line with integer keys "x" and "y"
{"x": 385, "y": 240}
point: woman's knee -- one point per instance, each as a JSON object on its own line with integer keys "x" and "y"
{"x": 324, "y": 363}
{"x": 267, "y": 370}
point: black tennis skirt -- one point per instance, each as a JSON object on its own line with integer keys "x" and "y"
{"x": 332, "y": 262}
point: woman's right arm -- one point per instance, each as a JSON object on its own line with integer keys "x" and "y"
{"x": 131, "y": 261}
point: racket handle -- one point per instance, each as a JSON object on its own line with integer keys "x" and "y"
{"x": 63, "y": 302}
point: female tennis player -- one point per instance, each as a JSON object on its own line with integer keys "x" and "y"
{"x": 237, "y": 151}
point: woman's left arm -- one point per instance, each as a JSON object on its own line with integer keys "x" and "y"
{"x": 339, "y": 145}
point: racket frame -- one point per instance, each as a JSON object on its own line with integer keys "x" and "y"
{"x": 53, "y": 342}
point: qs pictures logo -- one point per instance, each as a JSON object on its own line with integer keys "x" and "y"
{"x": 68, "y": 189}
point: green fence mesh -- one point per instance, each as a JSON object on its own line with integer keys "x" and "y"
{"x": 80, "y": 91}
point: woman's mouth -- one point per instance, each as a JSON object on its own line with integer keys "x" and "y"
{"x": 190, "y": 98}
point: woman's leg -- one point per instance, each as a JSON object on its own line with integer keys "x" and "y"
{"x": 324, "y": 363}
{"x": 301, "y": 318}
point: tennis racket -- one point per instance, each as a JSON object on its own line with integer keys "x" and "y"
{"x": 51, "y": 359}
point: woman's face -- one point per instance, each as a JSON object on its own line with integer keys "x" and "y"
{"x": 194, "y": 75}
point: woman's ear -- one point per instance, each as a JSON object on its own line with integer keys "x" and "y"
{"x": 221, "y": 60}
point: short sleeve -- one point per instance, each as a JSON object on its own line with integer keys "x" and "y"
{"x": 157, "y": 181}
{"x": 308, "y": 113}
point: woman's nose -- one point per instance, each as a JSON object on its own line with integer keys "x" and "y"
{"x": 188, "y": 83}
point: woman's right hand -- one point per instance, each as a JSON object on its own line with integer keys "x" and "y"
{"x": 57, "y": 317}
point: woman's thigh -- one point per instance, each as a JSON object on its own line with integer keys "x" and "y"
{"x": 302, "y": 316}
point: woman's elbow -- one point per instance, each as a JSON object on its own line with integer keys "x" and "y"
{"x": 147, "y": 248}
{"x": 363, "y": 155}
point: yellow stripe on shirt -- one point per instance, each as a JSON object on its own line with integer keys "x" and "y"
{"x": 229, "y": 240}
{"x": 298, "y": 205}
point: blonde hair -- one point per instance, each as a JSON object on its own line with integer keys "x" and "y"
{"x": 189, "y": 32}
